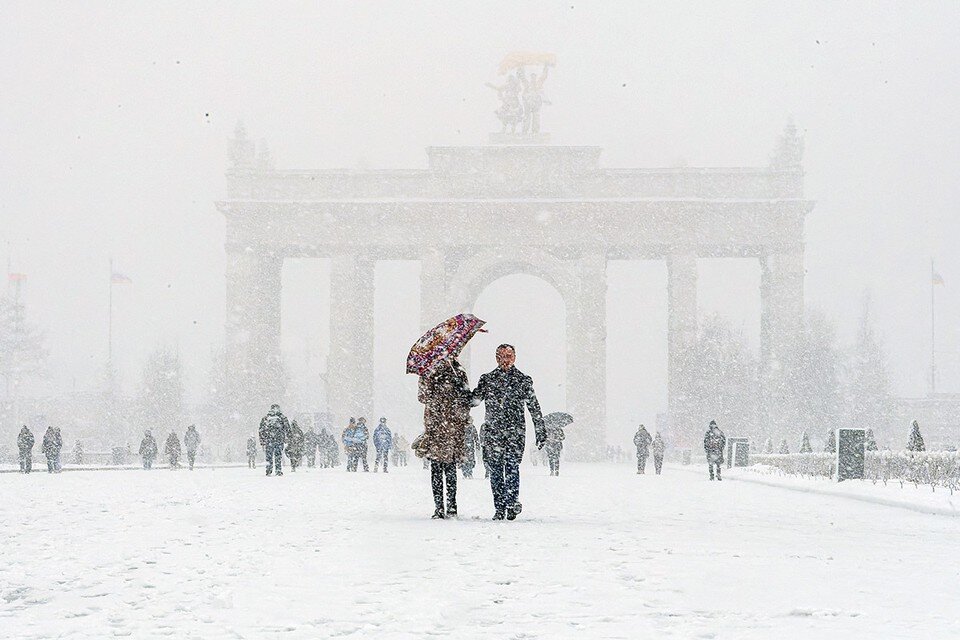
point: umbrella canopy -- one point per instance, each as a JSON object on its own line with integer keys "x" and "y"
{"x": 558, "y": 418}
{"x": 522, "y": 58}
{"x": 444, "y": 340}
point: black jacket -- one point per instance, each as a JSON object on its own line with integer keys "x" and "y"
{"x": 274, "y": 428}
{"x": 504, "y": 394}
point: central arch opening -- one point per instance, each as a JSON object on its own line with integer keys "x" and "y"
{"x": 527, "y": 312}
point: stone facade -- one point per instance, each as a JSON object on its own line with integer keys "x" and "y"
{"x": 479, "y": 213}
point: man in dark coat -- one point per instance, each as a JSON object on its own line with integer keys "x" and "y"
{"x": 274, "y": 432}
{"x": 361, "y": 434}
{"x": 51, "y": 446}
{"x": 25, "y": 442}
{"x": 382, "y": 443}
{"x": 642, "y": 440}
{"x": 172, "y": 450}
{"x": 713, "y": 444}
{"x": 295, "y": 445}
{"x": 658, "y": 449}
{"x": 310, "y": 446}
{"x": 191, "y": 440}
{"x": 148, "y": 449}
{"x": 505, "y": 391}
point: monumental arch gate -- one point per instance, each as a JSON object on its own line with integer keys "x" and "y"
{"x": 477, "y": 213}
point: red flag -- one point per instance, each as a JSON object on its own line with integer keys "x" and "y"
{"x": 119, "y": 278}
{"x": 16, "y": 277}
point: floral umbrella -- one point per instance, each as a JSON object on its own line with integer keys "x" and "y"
{"x": 444, "y": 340}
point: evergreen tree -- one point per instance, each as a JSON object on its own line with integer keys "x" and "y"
{"x": 916, "y": 440}
{"x": 805, "y": 444}
{"x": 783, "y": 446}
{"x": 768, "y": 445}
{"x": 831, "y": 442}
{"x": 870, "y": 443}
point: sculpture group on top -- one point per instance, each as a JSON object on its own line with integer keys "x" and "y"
{"x": 521, "y": 94}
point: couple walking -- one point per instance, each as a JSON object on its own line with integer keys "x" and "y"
{"x": 447, "y": 398}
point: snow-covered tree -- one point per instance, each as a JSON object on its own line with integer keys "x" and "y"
{"x": 916, "y": 440}
{"x": 160, "y": 401}
{"x": 783, "y": 446}
{"x": 22, "y": 354}
{"x": 816, "y": 377}
{"x": 868, "y": 395}
{"x": 870, "y": 442}
{"x": 768, "y": 445}
{"x": 831, "y": 446}
{"x": 725, "y": 378}
{"x": 805, "y": 444}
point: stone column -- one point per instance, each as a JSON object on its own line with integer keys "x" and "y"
{"x": 781, "y": 305}
{"x": 254, "y": 366}
{"x": 681, "y": 339}
{"x": 350, "y": 362}
{"x": 781, "y": 328}
{"x": 586, "y": 388}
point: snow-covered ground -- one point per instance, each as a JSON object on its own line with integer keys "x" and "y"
{"x": 598, "y": 552}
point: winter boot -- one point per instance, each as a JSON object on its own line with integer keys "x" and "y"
{"x": 437, "y": 515}
{"x": 499, "y": 515}
{"x": 514, "y": 510}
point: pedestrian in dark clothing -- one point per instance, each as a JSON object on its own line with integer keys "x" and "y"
{"x": 658, "y": 448}
{"x": 58, "y": 467}
{"x": 310, "y": 447}
{"x": 471, "y": 442}
{"x": 51, "y": 446}
{"x": 148, "y": 449}
{"x": 191, "y": 440}
{"x": 251, "y": 453}
{"x": 274, "y": 433}
{"x": 554, "y": 446}
{"x": 445, "y": 395}
{"x": 295, "y": 445}
{"x": 382, "y": 442}
{"x": 78, "y": 453}
{"x": 505, "y": 391}
{"x": 326, "y": 446}
{"x": 713, "y": 444}
{"x": 351, "y": 444}
{"x": 25, "y": 442}
{"x": 172, "y": 450}
{"x": 642, "y": 440}
{"x": 361, "y": 436}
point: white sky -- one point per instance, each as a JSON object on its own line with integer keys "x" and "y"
{"x": 114, "y": 120}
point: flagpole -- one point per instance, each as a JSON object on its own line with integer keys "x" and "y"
{"x": 933, "y": 332}
{"x": 110, "y": 324}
